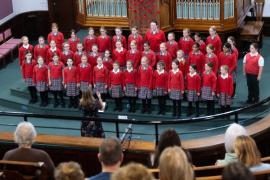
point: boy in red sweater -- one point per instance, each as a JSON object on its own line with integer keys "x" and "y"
{"x": 134, "y": 54}
{"x": 66, "y": 54}
{"x": 186, "y": 42}
{"x": 55, "y": 74}
{"x": 119, "y": 37}
{"x": 89, "y": 40}
{"x": 151, "y": 56}
{"x": 172, "y": 45}
{"x": 107, "y": 60}
{"x": 136, "y": 37}
{"x": 41, "y": 48}
{"x": 116, "y": 86}
{"x": 27, "y": 73}
{"x": 71, "y": 83}
{"x": 225, "y": 89}
{"x": 196, "y": 57}
{"x": 130, "y": 85}
{"x": 145, "y": 76}
{"x": 164, "y": 56}
{"x": 119, "y": 55}
{"x": 51, "y": 51}
{"x": 176, "y": 88}
{"x": 57, "y": 36}
{"x": 85, "y": 74}
{"x": 193, "y": 89}
{"x": 214, "y": 39}
{"x": 104, "y": 41}
{"x": 160, "y": 86}
{"x": 24, "y": 48}
{"x": 73, "y": 41}
{"x": 100, "y": 78}
{"x": 40, "y": 79}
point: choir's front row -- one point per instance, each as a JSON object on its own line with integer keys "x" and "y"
{"x": 143, "y": 83}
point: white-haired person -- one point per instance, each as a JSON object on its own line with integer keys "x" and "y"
{"x": 24, "y": 136}
{"x": 233, "y": 131}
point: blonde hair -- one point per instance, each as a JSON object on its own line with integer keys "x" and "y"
{"x": 246, "y": 151}
{"x": 68, "y": 171}
{"x": 174, "y": 165}
{"x": 132, "y": 171}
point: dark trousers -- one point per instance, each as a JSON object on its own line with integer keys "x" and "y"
{"x": 177, "y": 107}
{"x": 33, "y": 93}
{"x": 225, "y": 108}
{"x": 253, "y": 88}
{"x": 44, "y": 97}
{"x": 146, "y": 105}
{"x": 210, "y": 107}
{"x": 161, "y": 104}
{"x": 132, "y": 104}
{"x": 73, "y": 101}
{"x": 190, "y": 108}
{"x": 55, "y": 96}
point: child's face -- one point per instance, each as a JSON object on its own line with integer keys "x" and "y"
{"x": 134, "y": 31}
{"x": 197, "y": 38}
{"x": 69, "y": 62}
{"x": 162, "y": 47}
{"x": 66, "y": 47}
{"x": 99, "y": 61}
{"x": 195, "y": 48}
{"x": 144, "y": 63}
{"x": 230, "y": 41}
{"x": 107, "y": 54}
{"x": 209, "y": 50}
{"x": 94, "y": 49}
{"x": 103, "y": 32}
{"x": 223, "y": 70}
{"x": 129, "y": 65}
{"x": 28, "y": 56}
{"x": 54, "y": 29}
{"x": 159, "y": 67}
{"x": 115, "y": 66}
{"x": 207, "y": 68}
{"x": 55, "y": 59}
{"x": 170, "y": 37}
{"x": 25, "y": 41}
{"x": 73, "y": 35}
{"x": 174, "y": 66}
{"x": 41, "y": 41}
{"x": 153, "y": 26}
{"x": 40, "y": 61}
{"x": 53, "y": 44}
{"x": 84, "y": 60}
{"x": 118, "y": 45}
{"x": 146, "y": 47}
{"x": 191, "y": 69}
{"x": 91, "y": 32}
{"x": 133, "y": 46}
{"x": 212, "y": 32}
{"x": 179, "y": 54}
{"x": 252, "y": 49}
{"x": 185, "y": 33}
{"x": 225, "y": 50}
{"x": 79, "y": 47}
{"x": 118, "y": 32}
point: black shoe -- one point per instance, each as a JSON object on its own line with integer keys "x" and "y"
{"x": 34, "y": 101}
{"x": 249, "y": 101}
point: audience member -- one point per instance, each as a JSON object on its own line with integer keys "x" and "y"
{"x": 110, "y": 156}
{"x": 24, "y": 136}
{"x": 174, "y": 165}
{"x": 237, "y": 171}
{"x": 68, "y": 171}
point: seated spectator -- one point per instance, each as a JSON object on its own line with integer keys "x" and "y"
{"x": 24, "y": 136}
{"x": 231, "y": 134}
{"x": 110, "y": 156}
{"x": 174, "y": 165}
{"x": 132, "y": 171}
{"x": 237, "y": 171}
{"x": 247, "y": 153}
{"x": 68, "y": 171}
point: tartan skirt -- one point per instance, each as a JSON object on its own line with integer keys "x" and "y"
{"x": 158, "y": 92}
{"x": 207, "y": 93}
{"x": 56, "y": 84}
{"x": 41, "y": 86}
{"x": 100, "y": 87}
{"x": 225, "y": 100}
{"x": 130, "y": 90}
{"x": 84, "y": 86}
{"x": 192, "y": 96}
{"x": 72, "y": 89}
{"x": 116, "y": 91}
{"x": 145, "y": 93}
{"x": 29, "y": 82}
{"x": 175, "y": 95}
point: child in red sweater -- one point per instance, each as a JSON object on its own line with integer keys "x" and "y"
{"x": 104, "y": 41}
{"x": 164, "y": 56}
{"x": 172, "y": 45}
{"x": 130, "y": 85}
{"x": 73, "y": 41}
{"x": 41, "y": 48}
{"x": 183, "y": 64}
{"x": 107, "y": 60}
{"x": 119, "y": 55}
{"x": 92, "y": 56}
{"x": 193, "y": 89}
{"x": 232, "y": 42}
{"x": 71, "y": 83}
{"x": 78, "y": 54}
{"x": 116, "y": 86}
{"x": 211, "y": 57}
{"x": 209, "y": 87}
{"x": 24, "y": 48}
{"x": 225, "y": 89}
{"x": 119, "y": 37}
{"x": 27, "y": 73}
{"x": 66, "y": 53}
{"x": 214, "y": 39}
{"x": 134, "y": 54}
{"x": 145, "y": 76}
{"x": 57, "y": 36}
{"x": 198, "y": 39}
{"x": 196, "y": 57}
{"x": 40, "y": 79}
{"x": 151, "y": 56}
{"x": 100, "y": 78}
{"x": 186, "y": 42}
{"x": 176, "y": 88}
{"x": 55, "y": 74}
{"x": 160, "y": 86}
{"x": 51, "y": 51}
{"x": 85, "y": 74}
{"x": 136, "y": 37}
{"x": 89, "y": 40}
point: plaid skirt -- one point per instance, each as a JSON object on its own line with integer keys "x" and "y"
{"x": 100, "y": 87}
{"x": 175, "y": 95}
{"x": 84, "y": 86}
{"x": 207, "y": 93}
{"x": 225, "y": 100}
{"x": 145, "y": 93}
{"x": 158, "y": 92}
{"x": 41, "y": 86}
{"x": 116, "y": 91}
{"x": 56, "y": 85}
{"x": 72, "y": 89}
{"x": 192, "y": 96}
{"x": 130, "y": 90}
{"x": 29, "y": 82}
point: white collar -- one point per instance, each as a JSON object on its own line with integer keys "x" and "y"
{"x": 160, "y": 72}
{"x": 70, "y": 67}
{"x": 130, "y": 70}
{"x": 182, "y": 59}
{"x": 213, "y": 37}
{"x": 210, "y": 55}
{"x": 191, "y": 75}
{"x": 53, "y": 49}
{"x": 133, "y": 51}
{"x": 224, "y": 76}
{"x": 26, "y": 46}
{"x": 145, "y": 68}
{"x": 163, "y": 53}
{"x": 83, "y": 65}
{"x": 40, "y": 66}
{"x": 175, "y": 71}
{"x": 41, "y": 46}
{"x": 28, "y": 61}
{"x": 254, "y": 54}
{"x": 117, "y": 71}
{"x": 120, "y": 50}
{"x": 186, "y": 38}
{"x": 100, "y": 67}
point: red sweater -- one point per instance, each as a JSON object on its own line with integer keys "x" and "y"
{"x": 56, "y": 71}
{"x": 167, "y": 59}
{"x": 104, "y": 43}
{"x": 229, "y": 60}
{"x": 151, "y": 56}
{"x": 85, "y": 73}
{"x": 122, "y": 39}
{"x": 40, "y": 74}
{"x": 183, "y": 66}
{"x": 66, "y": 56}
{"x": 154, "y": 39}
{"x": 120, "y": 57}
{"x": 186, "y": 44}
{"x": 213, "y": 59}
{"x": 138, "y": 39}
{"x": 145, "y": 77}
{"x": 197, "y": 59}
{"x": 236, "y": 53}
{"x": 115, "y": 78}
{"x": 108, "y": 63}
{"x": 77, "y": 58}
{"x": 27, "y": 69}
{"x": 225, "y": 85}
{"x": 22, "y": 51}
{"x": 58, "y": 38}
{"x": 194, "y": 82}
{"x": 202, "y": 46}
{"x": 73, "y": 44}
{"x": 50, "y": 53}
{"x": 100, "y": 75}
{"x": 40, "y": 51}
{"x": 160, "y": 80}
{"x": 209, "y": 80}
{"x": 71, "y": 75}
{"x": 172, "y": 48}
{"x": 134, "y": 57}
{"x": 89, "y": 42}
{"x": 92, "y": 58}
{"x": 176, "y": 81}
{"x": 216, "y": 42}
{"x": 251, "y": 66}
{"x": 130, "y": 77}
